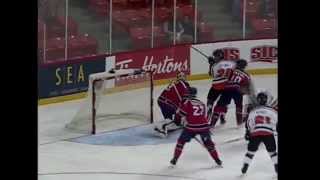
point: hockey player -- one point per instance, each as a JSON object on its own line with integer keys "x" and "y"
{"x": 238, "y": 84}
{"x": 168, "y": 102}
{"x": 192, "y": 114}
{"x": 260, "y": 127}
{"x": 272, "y": 102}
{"x": 220, "y": 70}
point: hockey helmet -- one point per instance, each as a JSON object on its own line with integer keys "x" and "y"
{"x": 241, "y": 64}
{"x": 262, "y": 98}
{"x": 181, "y": 76}
{"x": 218, "y": 53}
{"x": 267, "y": 93}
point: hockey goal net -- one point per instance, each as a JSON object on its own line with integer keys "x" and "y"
{"x": 115, "y": 100}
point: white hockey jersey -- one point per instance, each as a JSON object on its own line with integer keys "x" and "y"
{"x": 221, "y": 72}
{"x": 262, "y": 121}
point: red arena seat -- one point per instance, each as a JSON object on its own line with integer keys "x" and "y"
{"x": 141, "y": 37}
{"x": 252, "y": 9}
{"x": 72, "y": 24}
{"x": 137, "y": 3}
{"x": 188, "y": 10}
{"x": 264, "y": 28}
{"x": 81, "y": 45}
{"x": 206, "y": 32}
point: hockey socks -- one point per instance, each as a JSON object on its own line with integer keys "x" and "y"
{"x": 177, "y": 151}
{"x": 213, "y": 152}
{"x": 247, "y": 160}
{"x": 218, "y": 112}
{"x": 274, "y": 158}
{"x": 239, "y": 117}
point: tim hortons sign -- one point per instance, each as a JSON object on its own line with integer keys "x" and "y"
{"x": 164, "y": 62}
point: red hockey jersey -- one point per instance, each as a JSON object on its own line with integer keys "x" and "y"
{"x": 192, "y": 113}
{"x": 237, "y": 80}
{"x": 174, "y": 93}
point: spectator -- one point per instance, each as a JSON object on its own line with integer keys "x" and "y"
{"x": 49, "y": 10}
{"x": 236, "y": 9}
{"x": 267, "y": 8}
{"x": 184, "y": 29}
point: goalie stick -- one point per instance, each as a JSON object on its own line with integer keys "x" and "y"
{"x": 171, "y": 122}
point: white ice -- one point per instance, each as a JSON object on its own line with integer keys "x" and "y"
{"x": 64, "y": 160}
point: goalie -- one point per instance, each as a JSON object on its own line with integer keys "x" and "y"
{"x": 169, "y": 101}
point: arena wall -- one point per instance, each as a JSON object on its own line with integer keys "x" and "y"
{"x": 60, "y": 82}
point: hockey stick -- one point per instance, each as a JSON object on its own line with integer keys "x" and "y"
{"x": 206, "y": 56}
{"x": 237, "y": 139}
{"x": 232, "y": 140}
{"x": 199, "y": 141}
{"x": 274, "y": 103}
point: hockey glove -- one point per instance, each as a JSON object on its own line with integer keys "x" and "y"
{"x": 247, "y": 136}
{"x": 211, "y": 60}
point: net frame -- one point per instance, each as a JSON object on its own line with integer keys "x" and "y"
{"x": 101, "y": 77}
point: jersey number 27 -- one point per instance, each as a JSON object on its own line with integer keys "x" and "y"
{"x": 198, "y": 110}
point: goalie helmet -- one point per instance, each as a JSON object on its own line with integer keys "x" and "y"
{"x": 181, "y": 76}
{"x": 218, "y": 54}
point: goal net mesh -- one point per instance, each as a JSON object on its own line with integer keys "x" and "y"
{"x": 115, "y": 101}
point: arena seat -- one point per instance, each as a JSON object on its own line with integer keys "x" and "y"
{"x": 252, "y": 9}
{"x": 263, "y": 28}
{"x": 141, "y": 37}
{"x": 129, "y": 18}
{"x": 188, "y": 10}
{"x": 169, "y": 3}
{"x": 137, "y": 4}
{"x": 72, "y": 24}
{"x": 80, "y": 45}
{"x": 100, "y": 7}
{"x": 205, "y": 32}
{"x": 57, "y": 29}
{"x": 161, "y": 14}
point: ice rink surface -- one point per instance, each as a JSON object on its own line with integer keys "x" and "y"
{"x": 61, "y": 158}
